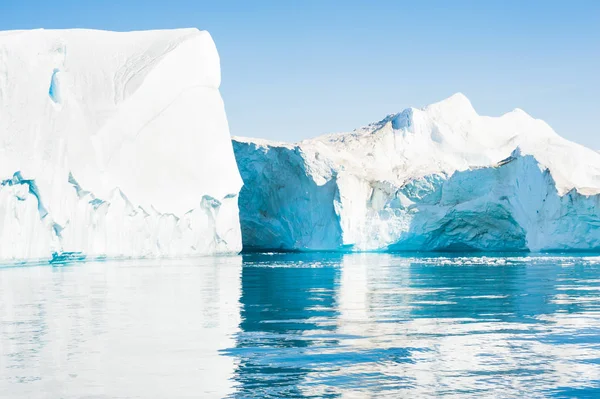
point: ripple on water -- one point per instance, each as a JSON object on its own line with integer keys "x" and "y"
{"x": 304, "y": 325}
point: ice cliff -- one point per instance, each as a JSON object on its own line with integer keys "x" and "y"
{"x": 438, "y": 178}
{"x": 114, "y": 144}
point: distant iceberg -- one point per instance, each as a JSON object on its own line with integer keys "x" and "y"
{"x": 441, "y": 178}
{"x": 114, "y": 145}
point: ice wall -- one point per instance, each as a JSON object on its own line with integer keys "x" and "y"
{"x": 114, "y": 144}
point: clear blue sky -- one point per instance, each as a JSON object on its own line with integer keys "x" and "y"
{"x": 295, "y": 69}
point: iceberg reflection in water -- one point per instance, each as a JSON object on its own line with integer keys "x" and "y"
{"x": 131, "y": 329}
{"x": 303, "y": 325}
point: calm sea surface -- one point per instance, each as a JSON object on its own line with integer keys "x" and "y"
{"x": 303, "y": 325}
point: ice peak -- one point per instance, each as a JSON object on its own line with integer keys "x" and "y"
{"x": 457, "y": 104}
{"x": 518, "y": 112}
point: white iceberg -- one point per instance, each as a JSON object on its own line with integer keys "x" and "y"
{"x": 438, "y": 178}
{"x": 114, "y": 144}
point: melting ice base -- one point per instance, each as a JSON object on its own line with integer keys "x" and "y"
{"x": 440, "y": 178}
{"x": 114, "y": 145}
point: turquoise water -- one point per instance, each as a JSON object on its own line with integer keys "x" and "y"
{"x": 303, "y": 325}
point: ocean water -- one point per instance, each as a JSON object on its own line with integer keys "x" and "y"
{"x": 303, "y": 325}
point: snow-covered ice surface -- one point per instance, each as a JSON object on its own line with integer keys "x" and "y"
{"x": 437, "y": 178}
{"x": 114, "y": 144}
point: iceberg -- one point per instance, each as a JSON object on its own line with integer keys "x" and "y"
{"x": 114, "y": 145}
{"x": 441, "y": 178}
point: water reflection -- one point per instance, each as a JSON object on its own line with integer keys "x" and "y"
{"x": 303, "y": 325}
{"x": 285, "y": 310}
{"x": 395, "y": 326}
{"x": 129, "y": 329}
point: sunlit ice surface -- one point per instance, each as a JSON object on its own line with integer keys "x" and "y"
{"x": 303, "y": 325}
